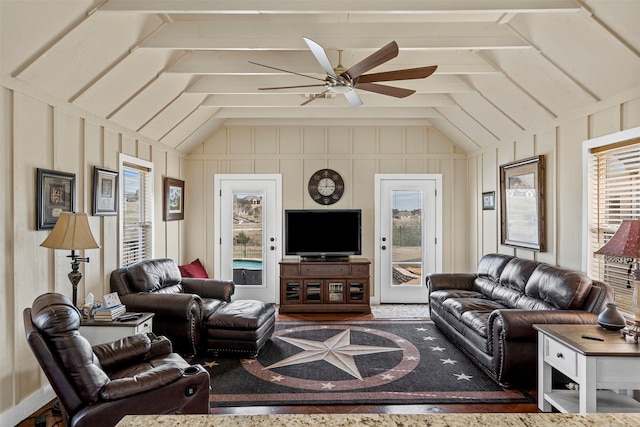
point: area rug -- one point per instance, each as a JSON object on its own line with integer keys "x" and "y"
{"x": 375, "y": 362}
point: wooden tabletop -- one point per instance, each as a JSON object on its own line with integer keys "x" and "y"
{"x": 613, "y": 342}
{"x": 133, "y": 322}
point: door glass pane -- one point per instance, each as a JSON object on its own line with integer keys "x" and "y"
{"x": 406, "y": 238}
{"x": 247, "y": 238}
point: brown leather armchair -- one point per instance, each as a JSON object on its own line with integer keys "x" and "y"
{"x": 195, "y": 314}
{"x": 179, "y": 304}
{"x": 99, "y": 385}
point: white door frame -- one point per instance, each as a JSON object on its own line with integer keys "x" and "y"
{"x": 377, "y": 235}
{"x": 271, "y": 282}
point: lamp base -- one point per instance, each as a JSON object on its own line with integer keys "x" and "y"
{"x": 632, "y": 331}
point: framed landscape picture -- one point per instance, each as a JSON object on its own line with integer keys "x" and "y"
{"x": 56, "y": 193}
{"x": 105, "y": 192}
{"x": 173, "y": 199}
{"x": 522, "y": 205}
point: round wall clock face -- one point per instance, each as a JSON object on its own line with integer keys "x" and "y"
{"x": 326, "y": 186}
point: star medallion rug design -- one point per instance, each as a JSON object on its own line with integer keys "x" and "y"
{"x": 358, "y": 362}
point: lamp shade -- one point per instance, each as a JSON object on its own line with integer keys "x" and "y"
{"x": 626, "y": 241}
{"x": 71, "y": 231}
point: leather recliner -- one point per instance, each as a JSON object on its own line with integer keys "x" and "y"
{"x": 195, "y": 314}
{"x": 99, "y": 385}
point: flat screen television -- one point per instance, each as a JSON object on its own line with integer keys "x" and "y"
{"x": 320, "y": 234}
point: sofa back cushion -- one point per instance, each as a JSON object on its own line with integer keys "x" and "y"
{"x": 557, "y": 288}
{"x": 153, "y": 275}
{"x": 513, "y": 279}
{"x": 489, "y": 270}
{"x": 59, "y": 321}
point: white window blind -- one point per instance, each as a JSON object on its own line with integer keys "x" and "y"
{"x": 137, "y": 213}
{"x": 614, "y": 195}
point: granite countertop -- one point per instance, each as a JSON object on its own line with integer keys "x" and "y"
{"x": 374, "y": 420}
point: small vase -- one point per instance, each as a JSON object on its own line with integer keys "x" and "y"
{"x": 611, "y": 319}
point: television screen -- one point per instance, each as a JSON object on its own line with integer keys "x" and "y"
{"x": 322, "y": 233}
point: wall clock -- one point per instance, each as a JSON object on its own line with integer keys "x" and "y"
{"x": 326, "y": 186}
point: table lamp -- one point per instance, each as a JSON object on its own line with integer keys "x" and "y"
{"x": 72, "y": 232}
{"x": 625, "y": 243}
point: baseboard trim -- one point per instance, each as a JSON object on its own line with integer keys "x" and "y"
{"x": 27, "y": 407}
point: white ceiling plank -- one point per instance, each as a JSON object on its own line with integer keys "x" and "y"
{"x": 237, "y": 62}
{"x": 250, "y": 84}
{"x": 338, "y": 6}
{"x": 162, "y": 122}
{"x": 198, "y": 35}
{"x": 330, "y": 122}
{"x": 320, "y": 112}
{"x": 288, "y": 100}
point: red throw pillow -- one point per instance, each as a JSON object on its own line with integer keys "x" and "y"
{"x": 195, "y": 269}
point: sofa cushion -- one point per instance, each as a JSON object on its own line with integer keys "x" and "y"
{"x": 459, "y": 306}
{"x": 152, "y": 275}
{"x": 491, "y": 266}
{"x": 559, "y": 288}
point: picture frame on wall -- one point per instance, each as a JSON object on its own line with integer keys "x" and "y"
{"x": 173, "y": 199}
{"x": 489, "y": 201}
{"x": 105, "y": 192}
{"x": 522, "y": 218}
{"x": 56, "y": 193}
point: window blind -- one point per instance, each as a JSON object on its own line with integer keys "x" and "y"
{"x": 137, "y": 203}
{"x": 614, "y": 195}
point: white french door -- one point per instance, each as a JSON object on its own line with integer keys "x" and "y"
{"x": 247, "y": 233}
{"x": 408, "y": 235}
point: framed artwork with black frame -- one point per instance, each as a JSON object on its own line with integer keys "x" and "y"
{"x": 105, "y": 192}
{"x": 173, "y": 199}
{"x": 522, "y": 204}
{"x": 489, "y": 201}
{"x": 56, "y": 193}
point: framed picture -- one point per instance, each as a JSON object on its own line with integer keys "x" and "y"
{"x": 105, "y": 192}
{"x": 522, "y": 206}
{"x": 489, "y": 201}
{"x": 173, "y": 199}
{"x": 56, "y": 193}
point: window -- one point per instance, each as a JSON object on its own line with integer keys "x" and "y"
{"x": 613, "y": 195}
{"x": 136, "y": 226}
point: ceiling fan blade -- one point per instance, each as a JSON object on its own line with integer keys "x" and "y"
{"x": 286, "y": 71}
{"x": 381, "y": 56}
{"x": 314, "y": 97}
{"x": 321, "y": 56}
{"x": 396, "y": 92}
{"x": 407, "y": 74}
{"x": 287, "y": 87}
{"x": 352, "y": 98}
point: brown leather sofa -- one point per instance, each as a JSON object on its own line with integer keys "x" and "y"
{"x": 195, "y": 314}
{"x": 489, "y": 314}
{"x": 99, "y": 385}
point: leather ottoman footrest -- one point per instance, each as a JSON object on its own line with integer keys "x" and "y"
{"x": 242, "y": 315}
{"x": 240, "y": 326}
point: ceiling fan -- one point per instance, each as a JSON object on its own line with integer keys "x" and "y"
{"x": 344, "y": 81}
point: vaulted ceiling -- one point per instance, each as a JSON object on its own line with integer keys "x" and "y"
{"x": 177, "y": 70}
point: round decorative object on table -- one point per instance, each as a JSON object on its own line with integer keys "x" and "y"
{"x": 326, "y": 186}
{"x": 611, "y": 319}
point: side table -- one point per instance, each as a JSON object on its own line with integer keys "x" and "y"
{"x": 97, "y": 332}
{"x": 601, "y": 364}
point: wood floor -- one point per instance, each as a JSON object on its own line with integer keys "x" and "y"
{"x": 338, "y": 409}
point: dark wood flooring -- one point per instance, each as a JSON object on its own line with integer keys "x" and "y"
{"x": 337, "y": 409}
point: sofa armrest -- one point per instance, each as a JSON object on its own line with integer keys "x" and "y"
{"x": 181, "y": 306}
{"x": 125, "y": 351}
{"x": 151, "y": 379}
{"x": 517, "y": 325}
{"x": 439, "y": 281}
{"x": 209, "y": 288}
{"x": 160, "y": 346}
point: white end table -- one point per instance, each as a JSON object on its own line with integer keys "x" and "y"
{"x": 601, "y": 365}
{"x": 100, "y": 332}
